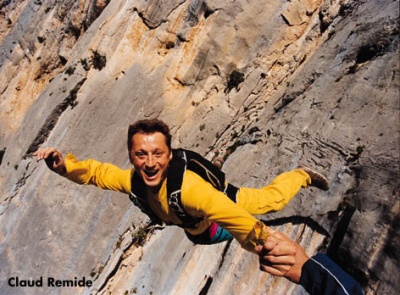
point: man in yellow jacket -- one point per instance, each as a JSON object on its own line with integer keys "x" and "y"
{"x": 150, "y": 152}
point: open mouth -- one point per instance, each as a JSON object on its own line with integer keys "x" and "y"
{"x": 150, "y": 174}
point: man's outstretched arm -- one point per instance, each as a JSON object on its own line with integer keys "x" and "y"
{"x": 280, "y": 256}
{"x": 102, "y": 175}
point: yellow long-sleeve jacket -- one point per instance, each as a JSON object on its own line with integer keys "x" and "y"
{"x": 199, "y": 198}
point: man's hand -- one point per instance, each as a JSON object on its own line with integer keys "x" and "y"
{"x": 53, "y": 158}
{"x": 282, "y": 257}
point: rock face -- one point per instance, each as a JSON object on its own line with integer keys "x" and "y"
{"x": 267, "y": 85}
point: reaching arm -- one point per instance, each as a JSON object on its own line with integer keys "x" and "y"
{"x": 319, "y": 275}
{"x": 102, "y": 175}
{"x": 201, "y": 199}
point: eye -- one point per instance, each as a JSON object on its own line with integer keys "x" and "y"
{"x": 140, "y": 155}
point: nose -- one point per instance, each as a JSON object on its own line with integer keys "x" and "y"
{"x": 150, "y": 162}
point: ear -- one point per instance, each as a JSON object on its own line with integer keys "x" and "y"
{"x": 170, "y": 155}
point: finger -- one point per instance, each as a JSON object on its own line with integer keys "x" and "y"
{"x": 281, "y": 236}
{"x": 42, "y": 153}
{"x": 281, "y": 251}
{"x": 258, "y": 249}
{"x": 269, "y": 245}
{"x": 278, "y": 237}
{"x": 271, "y": 270}
{"x": 39, "y": 155}
{"x": 278, "y": 260}
{"x": 50, "y": 153}
{"x": 282, "y": 265}
{"x": 51, "y": 157}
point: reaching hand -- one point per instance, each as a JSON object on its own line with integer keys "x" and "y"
{"x": 282, "y": 257}
{"x": 53, "y": 158}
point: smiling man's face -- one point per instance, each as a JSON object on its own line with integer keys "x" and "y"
{"x": 150, "y": 156}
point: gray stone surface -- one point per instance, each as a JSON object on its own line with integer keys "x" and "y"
{"x": 267, "y": 85}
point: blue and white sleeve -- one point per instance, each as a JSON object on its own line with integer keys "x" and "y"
{"x": 321, "y": 276}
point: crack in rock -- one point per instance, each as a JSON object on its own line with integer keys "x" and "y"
{"x": 137, "y": 240}
{"x": 52, "y": 119}
{"x": 16, "y": 189}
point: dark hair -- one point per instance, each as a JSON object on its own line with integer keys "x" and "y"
{"x": 149, "y": 126}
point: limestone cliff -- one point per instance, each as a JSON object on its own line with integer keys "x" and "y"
{"x": 267, "y": 85}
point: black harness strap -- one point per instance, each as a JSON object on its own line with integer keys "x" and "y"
{"x": 231, "y": 191}
{"x": 176, "y": 170}
{"x": 139, "y": 198}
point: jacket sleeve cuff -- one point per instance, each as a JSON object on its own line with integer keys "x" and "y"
{"x": 257, "y": 236}
{"x": 71, "y": 167}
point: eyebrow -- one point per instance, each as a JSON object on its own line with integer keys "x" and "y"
{"x": 145, "y": 151}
